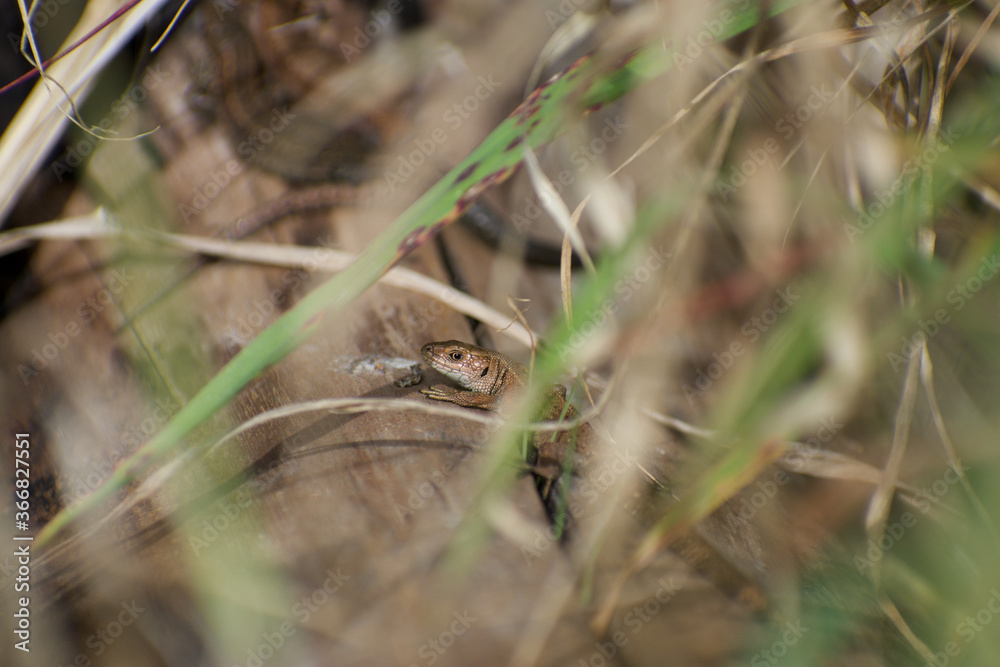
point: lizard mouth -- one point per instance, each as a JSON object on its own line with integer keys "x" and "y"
{"x": 460, "y": 378}
{"x": 427, "y": 352}
{"x": 438, "y": 362}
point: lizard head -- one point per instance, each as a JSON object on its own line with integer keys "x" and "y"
{"x": 473, "y": 368}
{"x": 460, "y": 362}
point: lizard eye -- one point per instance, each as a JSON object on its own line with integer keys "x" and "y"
{"x": 457, "y": 356}
{"x": 485, "y": 371}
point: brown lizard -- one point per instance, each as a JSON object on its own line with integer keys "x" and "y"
{"x": 493, "y": 381}
{"x": 725, "y": 546}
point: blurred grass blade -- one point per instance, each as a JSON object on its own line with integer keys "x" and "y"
{"x": 581, "y": 88}
{"x": 42, "y": 119}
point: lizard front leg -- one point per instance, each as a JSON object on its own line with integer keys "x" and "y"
{"x": 466, "y": 399}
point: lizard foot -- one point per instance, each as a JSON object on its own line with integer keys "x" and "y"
{"x": 440, "y": 392}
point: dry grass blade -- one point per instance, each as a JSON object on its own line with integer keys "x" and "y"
{"x": 555, "y": 593}
{"x": 784, "y": 254}
{"x": 95, "y": 225}
{"x": 824, "y": 41}
{"x": 801, "y": 458}
{"x": 984, "y": 27}
{"x": 170, "y": 27}
{"x": 40, "y": 120}
{"x": 681, "y": 425}
{"x": 940, "y": 89}
{"x": 194, "y": 456}
{"x": 98, "y": 225}
{"x": 927, "y": 381}
{"x": 986, "y": 192}
{"x": 881, "y": 500}
{"x": 892, "y": 612}
{"x": 805, "y": 460}
{"x": 555, "y": 206}
{"x": 719, "y": 484}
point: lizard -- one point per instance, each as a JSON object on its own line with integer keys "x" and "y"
{"x": 493, "y": 381}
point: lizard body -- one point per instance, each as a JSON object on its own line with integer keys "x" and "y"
{"x": 726, "y": 547}
{"x": 493, "y": 381}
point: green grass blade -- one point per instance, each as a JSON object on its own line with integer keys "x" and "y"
{"x": 541, "y": 117}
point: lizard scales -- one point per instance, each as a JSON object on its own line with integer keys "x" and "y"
{"x": 493, "y": 381}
